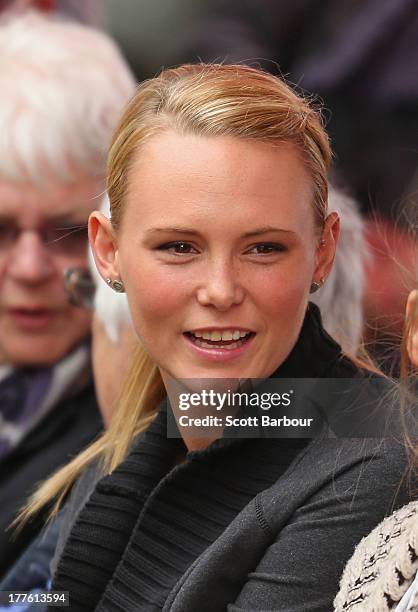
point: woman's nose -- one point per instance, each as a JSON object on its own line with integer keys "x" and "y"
{"x": 29, "y": 260}
{"x": 220, "y": 287}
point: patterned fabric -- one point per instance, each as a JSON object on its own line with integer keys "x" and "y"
{"x": 409, "y": 602}
{"x": 26, "y": 396}
{"x": 383, "y": 566}
{"x": 21, "y": 395}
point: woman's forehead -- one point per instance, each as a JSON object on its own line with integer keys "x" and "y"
{"x": 198, "y": 176}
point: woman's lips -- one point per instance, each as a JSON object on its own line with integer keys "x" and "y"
{"x": 32, "y": 319}
{"x": 219, "y": 350}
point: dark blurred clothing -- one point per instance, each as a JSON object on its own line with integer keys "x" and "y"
{"x": 32, "y": 573}
{"x": 32, "y": 570}
{"x": 22, "y": 404}
{"x": 359, "y": 55}
{"x": 86, "y": 11}
{"x": 66, "y": 426}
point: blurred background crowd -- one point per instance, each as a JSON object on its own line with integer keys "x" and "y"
{"x": 358, "y": 57}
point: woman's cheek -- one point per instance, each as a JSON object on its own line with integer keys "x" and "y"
{"x": 281, "y": 284}
{"x": 155, "y": 295}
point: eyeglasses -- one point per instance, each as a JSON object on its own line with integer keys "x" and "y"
{"x": 80, "y": 287}
{"x": 70, "y": 240}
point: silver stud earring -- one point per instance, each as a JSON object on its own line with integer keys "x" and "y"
{"x": 116, "y": 285}
{"x": 315, "y": 286}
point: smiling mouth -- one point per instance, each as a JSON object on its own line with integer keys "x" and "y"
{"x": 225, "y": 339}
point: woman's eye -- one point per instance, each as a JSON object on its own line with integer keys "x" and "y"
{"x": 266, "y": 248}
{"x": 178, "y": 248}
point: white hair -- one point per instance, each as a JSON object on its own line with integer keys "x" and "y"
{"x": 63, "y": 86}
{"x": 341, "y": 298}
{"x": 110, "y": 308}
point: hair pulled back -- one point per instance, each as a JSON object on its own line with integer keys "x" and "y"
{"x": 219, "y": 100}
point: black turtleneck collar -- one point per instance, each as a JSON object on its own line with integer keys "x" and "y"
{"x": 315, "y": 354}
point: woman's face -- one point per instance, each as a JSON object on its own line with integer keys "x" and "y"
{"x": 217, "y": 249}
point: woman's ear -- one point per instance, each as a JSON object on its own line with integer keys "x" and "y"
{"x": 412, "y": 316}
{"x": 326, "y": 248}
{"x": 103, "y": 244}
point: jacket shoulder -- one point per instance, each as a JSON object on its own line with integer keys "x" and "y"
{"x": 79, "y": 495}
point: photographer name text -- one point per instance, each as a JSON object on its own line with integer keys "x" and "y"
{"x": 251, "y": 421}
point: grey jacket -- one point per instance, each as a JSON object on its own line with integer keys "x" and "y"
{"x": 290, "y": 543}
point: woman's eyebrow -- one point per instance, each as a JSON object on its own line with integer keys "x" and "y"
{"x": 178, "y": 230}
{"x": 186, "y": 230}
{"x": 267, "y": 230}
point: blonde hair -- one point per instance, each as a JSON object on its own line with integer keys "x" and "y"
{"x": 217, "y": 100}
{"x": 206, "y": 100}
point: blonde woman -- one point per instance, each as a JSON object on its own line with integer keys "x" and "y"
{"x": 219, "y": 231}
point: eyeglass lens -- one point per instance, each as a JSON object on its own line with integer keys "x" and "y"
{"x": 61, "y": 240}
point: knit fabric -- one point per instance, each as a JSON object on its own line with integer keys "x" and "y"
{"x": 173, "y": 513}
{"x": 383, "y": 566}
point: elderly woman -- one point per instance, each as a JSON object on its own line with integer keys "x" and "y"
{"x": 63, "y": 87}
{"x": 219, "y": 231}
{"x": 113, "y": 342}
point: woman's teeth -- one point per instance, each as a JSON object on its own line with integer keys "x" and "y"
{"x": 223, "y": 335}
{"x": 227, "y": 339}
